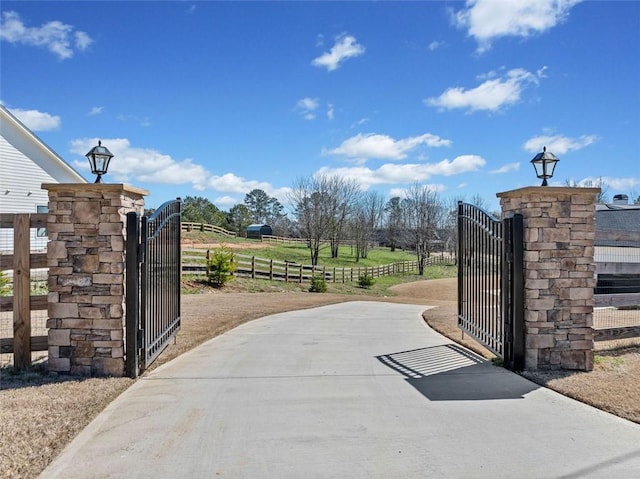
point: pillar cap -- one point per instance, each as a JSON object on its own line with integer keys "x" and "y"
{"x": 548, "y": 191}
{"x": 97, "y": 187}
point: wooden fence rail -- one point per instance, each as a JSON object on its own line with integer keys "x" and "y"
{"x": 263, "y": 268}
{"x": 619, "y": 300}
{"x": 22, "y": 303}
{"x": 187, "y": 226}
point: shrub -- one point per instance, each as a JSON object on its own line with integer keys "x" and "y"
{"x": 365, "y": 281}
{"x": 221, "y": 265}
{"x": 318, "y": 284}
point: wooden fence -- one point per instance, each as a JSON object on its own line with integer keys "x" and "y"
{"x": 186, "y": 226}
{"x": 262, "y": 268}
{"x": 21, "y": 262}
{"x": 284, "y": 240}
{"x": 625, "y": 309}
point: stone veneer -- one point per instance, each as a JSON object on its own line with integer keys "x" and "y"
{"x": 559, "y": 270}
{"x": 86, "y": 259}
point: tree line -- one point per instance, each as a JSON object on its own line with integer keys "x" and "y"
{"x": 329, "y": 211}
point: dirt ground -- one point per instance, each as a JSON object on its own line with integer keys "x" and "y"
{"x": 40, "y": 414}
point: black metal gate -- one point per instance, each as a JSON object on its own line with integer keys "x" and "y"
{"x": 153, "y": 284}
{"x": 491, "y": 282}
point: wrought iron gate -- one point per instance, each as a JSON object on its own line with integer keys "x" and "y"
{"x": 153, "y": 284}
{"x": 491, "y": 282}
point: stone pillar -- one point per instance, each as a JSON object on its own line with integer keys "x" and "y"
{"x": 86, "y": 259}
{"x": 559, "y": 272}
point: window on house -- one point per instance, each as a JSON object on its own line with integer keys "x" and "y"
{"x": 42, "y": 232}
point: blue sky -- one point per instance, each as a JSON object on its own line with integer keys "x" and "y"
{"x": 215, "y": 99}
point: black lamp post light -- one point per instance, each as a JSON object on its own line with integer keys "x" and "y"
{"x": 544, "y": 163}
{"x": 99, "y": 158}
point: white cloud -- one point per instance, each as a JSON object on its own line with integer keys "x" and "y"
{"x": 142, "y": 164}
{"x": 615, "y": 184}
{"x": 330, "y": 112}
{"x": 346, "y": 46}
{"x": 59, "y": 38}
{"x": 37, "y": 120}
{"x": 226, "y": 202}
{"x": 372, "y": 145}
{"x": 487, "y": 20}
{"x": 308, "y": 106}
{"x": 231, "y": 183}
{"x": 96, "y": 110}
{"x": 434, "y": 45}
{"x": 392, "y": 173}
{"x": 492, "y": 95}
{"x": 558, "y": 144}
{"x": 506, "y": 168}
{"x": 142, "y": 121}
{"x": 402, "y": 192}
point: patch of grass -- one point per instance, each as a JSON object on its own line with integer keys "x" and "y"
{"x": 612, "y": 361}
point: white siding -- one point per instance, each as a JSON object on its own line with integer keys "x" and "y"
{"x": 20, "y": 181}
{"x": 25, "y": 163}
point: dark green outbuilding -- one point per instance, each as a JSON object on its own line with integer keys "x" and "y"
{"x": 256, "y": 231}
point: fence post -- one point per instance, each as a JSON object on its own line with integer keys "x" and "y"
{"x": 132, "y": 294}
{"x": 271, "y": 269}
{"x": 286, "y": 272}
{"x": 253, "y": 267}
{"x": 21, "y": 292}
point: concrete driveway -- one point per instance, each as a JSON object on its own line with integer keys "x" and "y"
{"x": 353, "y": 390}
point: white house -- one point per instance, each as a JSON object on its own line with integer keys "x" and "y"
{"x": 25, "y": 163}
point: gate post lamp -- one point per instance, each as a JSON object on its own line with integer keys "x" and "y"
{"x": 544, "y": 164}
{"x": 99, "y": 157}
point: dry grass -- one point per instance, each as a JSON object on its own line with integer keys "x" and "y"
{"x": 40, "y": 414}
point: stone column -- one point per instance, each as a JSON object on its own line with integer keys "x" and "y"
{"x": 86, "y": 259}
{"x": 559, "y": 271}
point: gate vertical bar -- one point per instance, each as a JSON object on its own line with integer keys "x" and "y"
{"x": 144, "y": 297}
{"x": 517, "y": 285}
{"x": 461, "y": 261}
{"x": 132, "y": 303}
{"x": 513, "y": 292}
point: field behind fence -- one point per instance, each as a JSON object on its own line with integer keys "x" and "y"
{"x": 262, "y": 268}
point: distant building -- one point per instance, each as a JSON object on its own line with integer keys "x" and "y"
{"x": 256, "y": 231}
{"x": 617, "y": 247}
{"x": 25, "y": 163}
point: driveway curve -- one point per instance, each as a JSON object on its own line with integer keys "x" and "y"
{"x": 350, "y": 390}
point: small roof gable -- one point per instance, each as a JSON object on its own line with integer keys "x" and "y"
{"x": 25, "y": 141}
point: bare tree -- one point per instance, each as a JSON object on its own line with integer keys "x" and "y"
{"x": 423, "y": 214}
{"x": 342, "y": 197}
{"x": 312, "y": 202}
{"x": 603, "y": 196}
{"x": 365, "y": 221}
{"x": 394, "y": 222}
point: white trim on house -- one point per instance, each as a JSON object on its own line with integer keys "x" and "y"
{"x": 26, "y": 162}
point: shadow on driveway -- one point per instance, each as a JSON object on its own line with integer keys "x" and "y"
{"x": 451, "y": 373}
